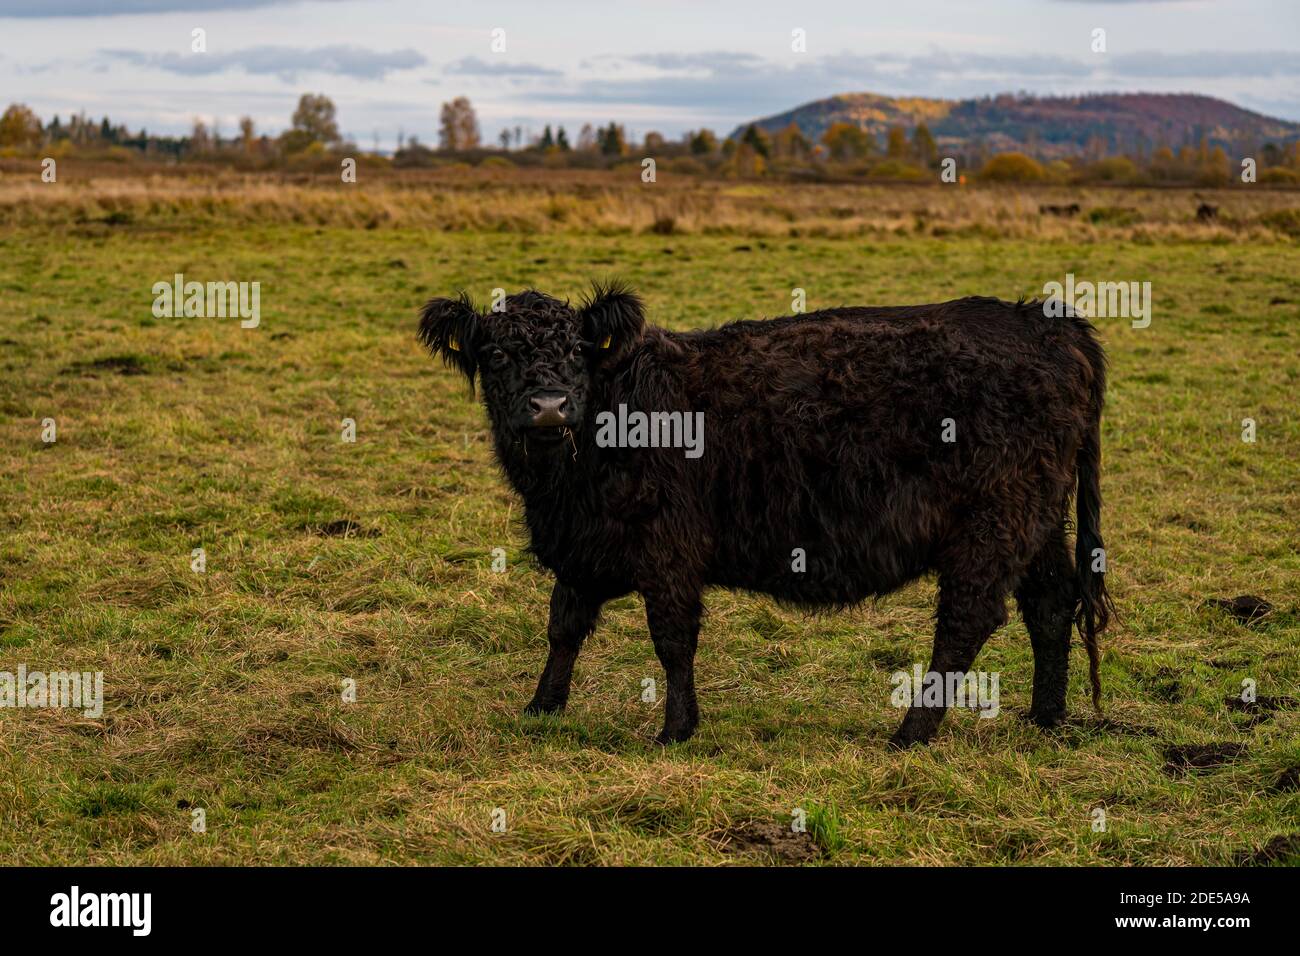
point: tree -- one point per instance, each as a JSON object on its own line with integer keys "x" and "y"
{"x": 746, "y": 160}
{"x": 757, "y": 140}
{"x": 586, "y": 138}
{"x": 704, "y": 143}
{"x": 897, "y": 148}
{"x": 790, "y": 143}
{"x": 548, "y": 138}
{"x": 200, "y": 139}
{"x": 612, "y": 140}
{"x": 19, "y": 126}
{"x": 924, "y": 146}
{"x": 654, "y": 142}
{"x": 247, "y": 134}
{"x": 562, "y": 139}
{"x": 79, "y": 128}
{"x": 847, "y": 141}
{"x": 1215, "y": 171}
{"x": 504, "y": 138}
{"x": 314, "y": 118}
{"x": 458, "y": 125}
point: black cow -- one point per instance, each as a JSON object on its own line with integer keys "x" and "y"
{"x": 846, "y": 453}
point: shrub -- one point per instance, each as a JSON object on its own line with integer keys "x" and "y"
{"x": 1059, "y": 170}
{"x": 1283, "y": 220}
{"x": 1113, "y": 215}
{"x": 1012, "y": 168}
{"x": 1280, "y": 176}
{"x": 684, "y": 164}
{"x": 1211, "y": 175}
{"x": 1113, "y": 169}
{"x": 896, "y": 169}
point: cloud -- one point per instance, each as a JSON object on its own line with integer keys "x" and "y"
{"x": 748, "y": 85}
{"x": 39, "y": 9}
{"x": 1207, "y": 64}
{"x": 1038, "y": 66}
{"x": 285, "y": 62}
{"x": 724, "y": 59}
{"x": 473, "y": 66}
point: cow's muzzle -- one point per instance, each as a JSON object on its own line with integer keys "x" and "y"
{"x": 549, "y": 410}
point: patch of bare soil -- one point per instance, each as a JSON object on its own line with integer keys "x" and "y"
{"x": 1246, "y": 608}
{"x": 772, "y": 840}
{"x": 1181, "y": 758}
{"x": 1260, "y": 709}
{"x": 1284, "y": 848}
{"x": 1287, "y": 781}
{"x": 112, "y": 364}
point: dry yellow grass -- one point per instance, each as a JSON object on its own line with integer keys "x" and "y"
{"x": 618, "y": 203}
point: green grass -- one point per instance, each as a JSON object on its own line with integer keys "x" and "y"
{"x": 223, "y": 688}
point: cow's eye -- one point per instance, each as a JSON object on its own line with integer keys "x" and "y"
{"x": 496, "y": 358}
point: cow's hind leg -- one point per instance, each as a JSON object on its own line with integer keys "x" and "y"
{"x": 573, "y": 616}
{"x": 1048, "y": 597}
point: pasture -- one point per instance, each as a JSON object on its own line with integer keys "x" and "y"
{"x": 371, "y": 561}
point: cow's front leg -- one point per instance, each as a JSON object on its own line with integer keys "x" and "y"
{"x": 573, "y": 616}
{"x": 674, "y": 620}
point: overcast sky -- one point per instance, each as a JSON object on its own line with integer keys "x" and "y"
{"x": 666, "y": 65}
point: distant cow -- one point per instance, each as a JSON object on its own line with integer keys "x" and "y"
{"x": 1206, "y": 213}
{"x": 1053, "y": 210}
{"x": 846, "y": 452}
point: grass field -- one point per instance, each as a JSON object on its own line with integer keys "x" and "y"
{"x": 370, "y": 561}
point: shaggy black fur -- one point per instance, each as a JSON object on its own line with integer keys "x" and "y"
{"x": 822, "y": 432}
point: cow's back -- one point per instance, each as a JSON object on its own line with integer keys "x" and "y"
{"x": 841, "y": 446}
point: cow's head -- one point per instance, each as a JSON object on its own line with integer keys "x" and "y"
{"x": 538, "y": 358}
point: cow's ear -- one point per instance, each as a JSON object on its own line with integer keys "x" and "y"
{"x": 450, "y": 328}
{"x": 612, "y": 319}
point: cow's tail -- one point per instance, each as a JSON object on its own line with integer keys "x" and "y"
{"x": 1095, "y": 606}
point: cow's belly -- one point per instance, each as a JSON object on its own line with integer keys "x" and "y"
{"x": 840, "y": 565}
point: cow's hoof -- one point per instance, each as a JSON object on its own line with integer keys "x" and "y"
{"x": 667, "y": 737}
{"x": 902, "y": 741}
{"x": 1047, "y": 719}
{"x": 538, "y": 708}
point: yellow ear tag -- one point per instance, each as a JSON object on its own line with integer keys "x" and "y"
{"x": 454, "y": 344}
{"x": 605, "y": 344}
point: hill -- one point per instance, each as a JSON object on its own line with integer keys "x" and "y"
{"x": 1049, "y": 125}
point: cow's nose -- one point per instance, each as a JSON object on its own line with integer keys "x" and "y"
{"x": 549, "y": 409}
